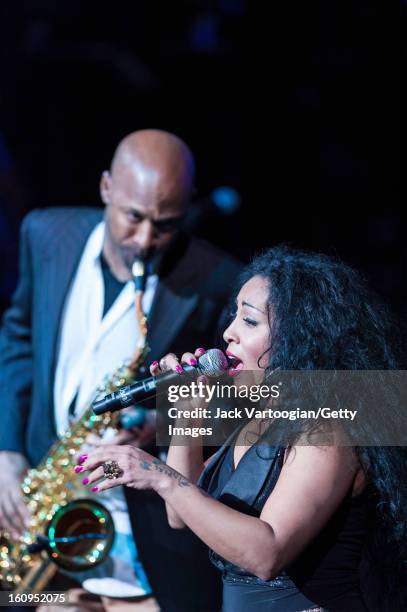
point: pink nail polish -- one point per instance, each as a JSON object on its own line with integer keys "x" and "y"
{"x": 193, "y": 361}
{"x": 85, "y": 481}
{"x": 201, "y": 350}
{"x": 94, "y": 489}
{"x": 155, "y": 363}
{"x": 82, "y": 458}
{"x": 78, "y": 469}
{"x": 179, "y": 369}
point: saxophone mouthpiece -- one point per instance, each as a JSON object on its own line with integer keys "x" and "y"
{"x": 137, "y": 268}
{"x": 138, "y": 272}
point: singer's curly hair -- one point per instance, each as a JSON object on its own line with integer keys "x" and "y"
{"x": 323, "y": 316}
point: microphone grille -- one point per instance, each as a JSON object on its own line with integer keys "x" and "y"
{"x": 213, "y": 363}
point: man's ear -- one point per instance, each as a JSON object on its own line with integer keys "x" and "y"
{"x": 105, "y": 187}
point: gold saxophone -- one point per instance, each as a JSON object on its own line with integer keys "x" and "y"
{"x": 66, "y": 529}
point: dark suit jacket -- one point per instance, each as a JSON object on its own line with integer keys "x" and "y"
{"x": 194, "y": 285}
{"x": 190, "y": 295}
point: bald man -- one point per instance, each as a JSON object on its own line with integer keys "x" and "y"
{"x": 146, "y": 194}
{"x": 72, "y": 322}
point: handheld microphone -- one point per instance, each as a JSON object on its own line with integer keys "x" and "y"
{"x": 212, "y": 363}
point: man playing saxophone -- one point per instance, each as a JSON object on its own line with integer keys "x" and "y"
{"x": 72, "y": 322}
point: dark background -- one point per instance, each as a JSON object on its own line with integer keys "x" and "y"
{"x": 300, "y": 110}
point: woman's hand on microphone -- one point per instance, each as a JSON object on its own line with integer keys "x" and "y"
{"x": 171, "y": 362}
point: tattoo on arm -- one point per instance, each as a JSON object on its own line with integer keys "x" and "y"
{"x": 159, "y": 466}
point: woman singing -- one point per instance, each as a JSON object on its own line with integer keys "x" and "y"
{"x": 288, "y": 525}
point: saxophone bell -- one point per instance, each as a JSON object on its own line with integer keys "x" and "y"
{"x": 79, "y": 535}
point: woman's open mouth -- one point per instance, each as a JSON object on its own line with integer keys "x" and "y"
{"x": 236, "y": 364}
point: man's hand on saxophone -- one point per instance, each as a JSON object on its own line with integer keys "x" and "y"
{"x": 139, "y": 437}
{"x": 14, "y": 514}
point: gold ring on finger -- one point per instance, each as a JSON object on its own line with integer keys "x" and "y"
{"x": 111, "y": 469}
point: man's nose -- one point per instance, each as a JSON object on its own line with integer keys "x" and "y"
{"x": 144, "y": 235}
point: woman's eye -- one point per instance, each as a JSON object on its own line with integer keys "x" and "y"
{"x": 251, "y": 322}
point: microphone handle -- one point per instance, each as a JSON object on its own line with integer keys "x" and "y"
{"x": 138, "y": 392}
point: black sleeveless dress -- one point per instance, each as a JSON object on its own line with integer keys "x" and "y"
{"x": 325, "y": 575}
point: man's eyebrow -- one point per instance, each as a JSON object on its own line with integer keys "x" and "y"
{"x": 251, "y": 306}
{"x": 134, "y": 211}
{"x": 163, "y": 221}
{"x": 173, "y": 219}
